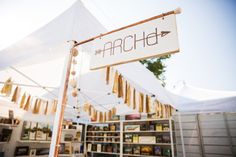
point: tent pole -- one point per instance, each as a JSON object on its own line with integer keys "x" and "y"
{"x": 62, "y": 99}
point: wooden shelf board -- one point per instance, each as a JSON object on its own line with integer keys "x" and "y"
{"x": 145, "y": 120}
{"x": 64, "y": 154}
{"x": 140, "y": 155}
{"x": 33, "y": 141}
{"x": 102, "y": 142}
{"x": 146, "y": 131}
{"x": 34, "y": 156}
{"x": 9, "y": 125}
{"x": 72, "y": 142}
{"x": 3, "y": 142}
{"x": 104, "y": 152}
{"x": 104, "y": 131}
{"x": 105, "y": 122}
{"x": 104, "y": 136}
{"x": 71, "y": 130}
{"x": 162, "y": 144}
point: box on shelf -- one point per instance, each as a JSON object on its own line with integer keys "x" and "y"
{"x": 135, "y": 138}
{"x": 109, "y": 148}
{"x": 132, "y": 127}
{"x": 133, "y": 116}
{"x": 159, "y": 127}
{"x": 128, "y": 150}
{"x": 136, "y": 150}
{"x": 159, "y": 139}
{"x": 68, "y": 137}
{"x": 165, "y": 127}
{"x": 89, "y": 148}
{"x": 112, "y": 127}
{"x": 166, "y": 139}
{"x": 147, "y": 139}
{"x": 128, "y": 138}
{"x": 157, "y": 151}
{"x": 99, "y": 148}
{"x": 167, "y": 152}
{"x": 94, "y": 147}
{"x": 146, "y": 150}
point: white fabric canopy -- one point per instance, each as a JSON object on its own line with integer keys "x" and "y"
{"x": 193, "y": 99}
{"x": 47, "y": 45}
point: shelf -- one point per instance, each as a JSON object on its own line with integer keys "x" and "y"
{"x": 145, "y": 120}
{"x": 105, "y": 122}
{"x": 146, "y": 131}
{"x": 3, "y": 142}
{"x": 72, "y": 142}
{"x": 33, "y": 141}
{"x": 71, "y": 130}
{"x": 104, "y": 153}
{"x": 64, "y": 154}
{"x": 162, "y": 144}
{"x": 103, "y": 131}
{"x": 34, "y": 156}
{"x": 9, "y": 125}
{"x": 141, "y": 155}
{"x": 105, "y": 136}
{"x": 101, "y": 142}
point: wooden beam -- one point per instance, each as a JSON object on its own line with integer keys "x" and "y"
{"x": 176, "y": 11}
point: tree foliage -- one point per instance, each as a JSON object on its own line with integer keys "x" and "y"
{"x": 157, "y": 66}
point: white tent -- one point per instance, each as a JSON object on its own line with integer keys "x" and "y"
{"x": 193, "y": 99}
{"x": 48, "y": 47}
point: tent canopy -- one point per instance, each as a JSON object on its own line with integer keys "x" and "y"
{"x": 189, "y": 98}
{"x": 46, "y": 49}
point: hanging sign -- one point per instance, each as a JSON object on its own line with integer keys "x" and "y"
{"x": 149, "y": 39}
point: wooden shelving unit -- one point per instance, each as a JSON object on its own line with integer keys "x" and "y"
{"x": 148, "y": 128}
{"x": 110, "y": 137}
{"x": 91, "y": 137}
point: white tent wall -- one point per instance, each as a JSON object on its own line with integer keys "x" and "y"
{"x": 201, "y": 94}
{"x": 188, "y": 98}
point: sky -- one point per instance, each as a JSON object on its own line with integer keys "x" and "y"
{"x": 206, "y": 30}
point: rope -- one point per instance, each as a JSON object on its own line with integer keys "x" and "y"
{"x": 39, "y": 85}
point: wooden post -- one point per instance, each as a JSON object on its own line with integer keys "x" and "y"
{"x": 62, "y": 98}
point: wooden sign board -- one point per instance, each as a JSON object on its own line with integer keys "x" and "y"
{"x": 149, "y": 39}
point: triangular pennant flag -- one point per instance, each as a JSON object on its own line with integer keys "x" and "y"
{"x": 148, "y": 105}
{"x": 22, "y": 102}
{"x": 15, "y": 95}
{"x": 27, "y": 104}
{"x": 46, "y": 108}
{"x": 7, "y": 87}
{"x": 35, "y": 106}
{"x": 90, "y": 110}
{"x": 105, "y": 117}
{"x": 128, "y": 96}
{"x": 115, "y": 84}
{"x": 109, "y": 115}
{"x": 141, "y": 98}
{"x": 120, "y": 86}
{"x": 38, "y": 106}
{"x": 107, "y": 75}
{"x": 54, "y": 107}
